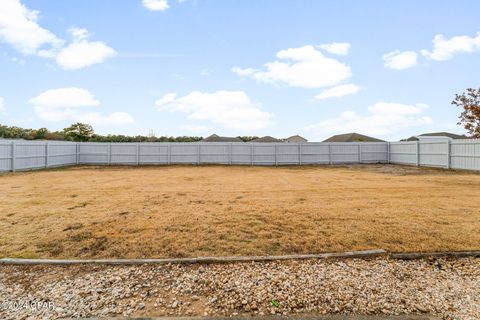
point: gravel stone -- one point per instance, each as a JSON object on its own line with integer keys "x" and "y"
{"x": 445, "y": 287}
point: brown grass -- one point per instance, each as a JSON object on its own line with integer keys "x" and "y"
{"x": 133, "y": 212}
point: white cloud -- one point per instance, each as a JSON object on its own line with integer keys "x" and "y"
{"x": 231, "y": 109}
{"x": 303, "y": 67}
{"x": 195, "y": 129}
{"x": 19, "y": 27}
{"x": 156, "y": 5}
{"x": 340, "y": 48}
{"x": 82, "y": 53}
{"x": 243, "y": 72}
{"x": 445, "y": 49}
{"x": 68, "y": 103}
{"x": 339, "y": 91}
{"x": 400, "y": 60}
{"x": 65, "y": 98}
{"x": 383, "y": 118}
{"x": 115, "y": 118}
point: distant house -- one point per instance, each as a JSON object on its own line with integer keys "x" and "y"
{"x": 295, "y": 139}
{"x": 352, "y": 137}
{"x": 216, "y": 138}
{"x": 266, "y": 139}
{"x": 437, "y": 136}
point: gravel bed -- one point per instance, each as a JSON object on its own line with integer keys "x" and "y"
{"x": 448, "y": 288}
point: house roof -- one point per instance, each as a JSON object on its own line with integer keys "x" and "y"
{"x": 438, "y": 134}
{"x": 296, "y": 138}
{"x": 266, "y": 139}
{"x": 217, "y": 138}
{"x": 352, "y": 137}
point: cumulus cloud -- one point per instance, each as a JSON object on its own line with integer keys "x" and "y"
{"x": 114, "y": 118}
{"x": 231, "y": 109}
{"x": 303, "y": 67}
{"x": 383, "y": 118}
{"x": 400, "y": 60}
{"x": 195, "y": 129}
{"x": 68, "y": 104}
{"x": 339, "y": 48}
{"x": 447, "y": 48}
{"x": 82, "y": 53}
{"x": 156, "y": 5}
{"x": 19, "y": 27}
{"x": 339, "y": 91}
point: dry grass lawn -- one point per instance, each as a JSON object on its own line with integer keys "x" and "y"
{"x": 121, "y": 212}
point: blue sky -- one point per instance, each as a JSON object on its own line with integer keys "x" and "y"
{"x": 274, "y": 67}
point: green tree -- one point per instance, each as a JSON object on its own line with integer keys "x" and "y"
{"x": 247, "y": 138}
{"x": 40, "y": 133}
{"x": 79, "y": 132}
{"x": 470, "y": 116}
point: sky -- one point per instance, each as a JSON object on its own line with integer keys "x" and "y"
{"x": 388, "y": 69}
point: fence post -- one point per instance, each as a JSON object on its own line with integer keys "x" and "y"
{"x": 198, "y": 153}
{"x": 230, "y": 147}
{"x": 13, "y": 156}
{"x": 388, "y": 152}
{"x": 252, "y": 154}
{"x": 418, "y": 153}
{"x": 276, "y": 154}
{"x": 359, "y": 152}
{"x": 449, "y": 151}
{"x": 330, "y": 153}
{"x": 138, "y": 153}
{"x": 109, "y": 153}
{"x": 77, "y": 151}
{"x": 300, "y": 153}
{"x": 169, "y": 153}
{"x": 46, "y": 154}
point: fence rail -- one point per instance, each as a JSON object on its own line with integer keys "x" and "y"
{"x": 28, "y": 155}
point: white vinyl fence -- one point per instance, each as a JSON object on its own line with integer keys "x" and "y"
{"x": 26, "y": 155}
{"x": 29, "y": 155}
{"x": 23, "y": 155}
{"x": 455, "y": 154}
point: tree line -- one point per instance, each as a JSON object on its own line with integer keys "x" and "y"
{"x": 84, "y": 132}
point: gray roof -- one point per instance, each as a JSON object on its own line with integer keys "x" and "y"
{"x": 216, "y": 138}
{"x": 296, "y": 138}
{"x": 266, "y": 139}
{"x": 352, "y": 137}
{"x": 439, "y": 134}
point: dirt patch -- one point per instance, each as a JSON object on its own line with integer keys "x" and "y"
{"x": 184, "y": 211}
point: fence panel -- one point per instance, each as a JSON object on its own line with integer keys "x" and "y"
{"x": 316, "y": 153}
{"x": 153, "y": 153}
{"x": 29, "y": 155}
{"x": 373, "y": 152}
{"x": 94, "y": 153}
{"x": 345, "y": 152}
{"x": 465, "y": 154}
{"x": 214, "y": 153}
{"x": 5, "y": 155}
{"x": 123, "y": 153}
{"x": 434, "y": 153}
{"x": 241, "y": 153}
{"x": 263, "y": 153}
{"x": 61, "y": 153}
{"x": 184, "y": 153}
{"x": 403, "y": 152}
{"x": 289, "y": 153}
